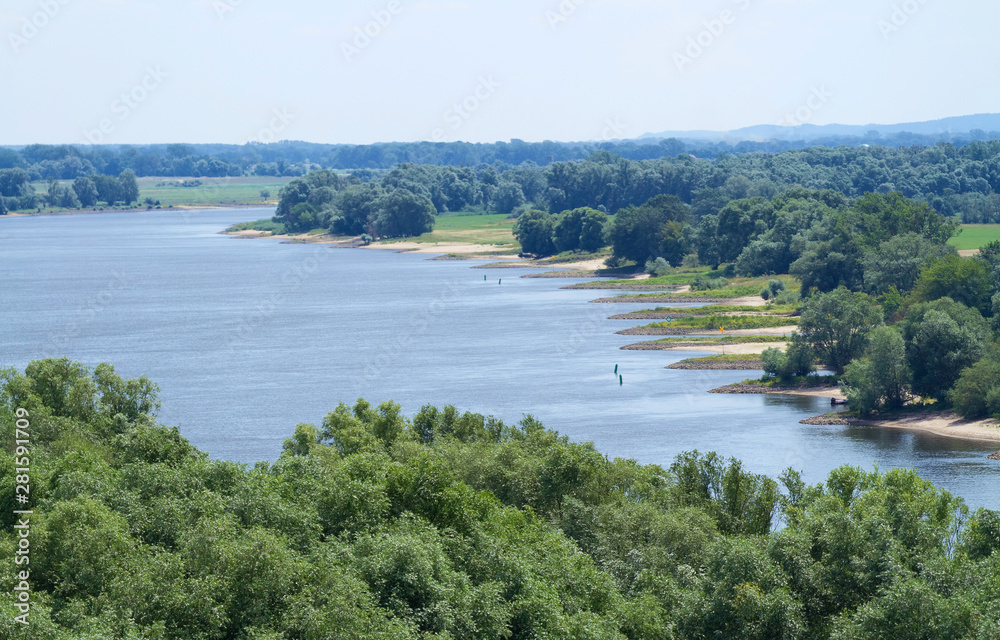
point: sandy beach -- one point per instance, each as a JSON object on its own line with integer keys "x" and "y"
{"x": 748, "y": 349}
{"x": 942, "y": 423}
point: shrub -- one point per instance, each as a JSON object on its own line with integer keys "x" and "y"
{"x": 705, "y": 283}
{"x": 796, "y": 361}
{"x": 971, "y": 394}
{"x": 658, "y": 267}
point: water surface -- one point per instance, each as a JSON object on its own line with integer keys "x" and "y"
{"x": 247, "y": 338}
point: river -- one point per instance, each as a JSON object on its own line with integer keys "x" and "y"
{"x": 247, "y": 338}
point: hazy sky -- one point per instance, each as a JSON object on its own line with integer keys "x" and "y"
{"x": 140, "y": 71}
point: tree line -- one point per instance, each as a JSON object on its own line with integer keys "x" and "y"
{"x": 924, "y": 329}
{"x": 17, "y": 193}
{"x": 954, "y": 179}
{"x": 457, "y": 525}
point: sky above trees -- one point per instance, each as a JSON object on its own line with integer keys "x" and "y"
{"x": 141, "y": 71}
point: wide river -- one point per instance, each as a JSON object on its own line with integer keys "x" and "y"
{"x": 247, "y": 338}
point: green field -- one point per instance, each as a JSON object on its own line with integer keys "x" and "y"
{"x": 471, "y": 228}
{"x": 731, "y": 323}
{"x": 212, "y": 192}
{"x": 717, "y": 309}
{"x": 975, "y": 236}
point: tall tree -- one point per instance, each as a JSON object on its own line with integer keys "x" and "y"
{"x": 837, "y": 325}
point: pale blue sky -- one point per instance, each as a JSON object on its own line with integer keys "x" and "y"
{"x": 236, "y": 70}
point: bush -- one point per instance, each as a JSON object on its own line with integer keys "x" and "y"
{"x": 658, "y": 267}
{"x": 797, "y": 361}
{"x": 881, "y": 379}
{"x": 705, "y": 283}
{"x": 975, "y": 388}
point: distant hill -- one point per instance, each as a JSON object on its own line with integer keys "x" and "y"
{"x": 982, "y": 126}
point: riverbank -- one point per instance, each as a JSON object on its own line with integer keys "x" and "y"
{"x": 750, "y": 388}
{"x": 137, "y": 209}
{"x": 728, "y": 362}
{"x": 942, "y": 423}
{"x": 737, "y": 345}
{"x": 741, "y": 349}
{"x": 663, "y": 331}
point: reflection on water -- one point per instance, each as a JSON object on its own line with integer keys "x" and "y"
{"x": 248, "y": 338}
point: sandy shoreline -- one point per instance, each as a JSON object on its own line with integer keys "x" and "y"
{"x": 758, "y": 389}
{"x": 776, "y": 331}
{"x": 941, "y": 423}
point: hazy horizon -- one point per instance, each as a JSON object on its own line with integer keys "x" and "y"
{"x": 233, "y": 71}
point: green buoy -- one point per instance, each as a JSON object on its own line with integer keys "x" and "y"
{"x": 501, "y": 281}
{"x": 484, "y": 278}
{"x": 616, "y": 369}
{"x": 621, "y": 380}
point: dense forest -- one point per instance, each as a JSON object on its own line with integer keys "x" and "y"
{"x": 451, "y": 525}
{"x": 955, "y": 179}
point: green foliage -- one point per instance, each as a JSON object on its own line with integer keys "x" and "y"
{"x": 881, "y": 379}
{"x": 658, "y": 268}
{"x": 402, "y": 213}
{"x": 982, "y": 535}
{"x": 797, "y": 361}
{"x": 898, "y": 262}
{"x": 741, "y": 503}
{"x": 977, "y": 391}
{"x": 534, "y": 230}
{"x": 729, "y": 323}
{"x": 455, "y": 525}
{"x": 706, "y": 283}
{"x": 943, "y": 338}
{"x": 653, "y": 230}
{"x": 965, "y": 280}
{"x": 580, "y": 229}
{"x": 837, "y": 325}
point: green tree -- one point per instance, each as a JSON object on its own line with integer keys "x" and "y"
{"x": 402, "y": 213}
{"x": 739, "y": 223}
{"x": 837, "y": 325}
{"x": 977, "y": 391}
{"x": 534, "y": 230}
{"x": 880, "y": 379}
{"x": 357, "y": 205}
{"x": 943, "y": 338}
{"x": 653, "y": 230}
{"x": 85, "y": 191}
{"x": 592, "y": 229}
{"x": 509, "y": 197}
{"x": 128, "y": 188}
{"x": 109, "y": 189}
{"x": 965, "y": 280}
{"x": 898, "y": 262}
{"x": 796, "y": 361}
